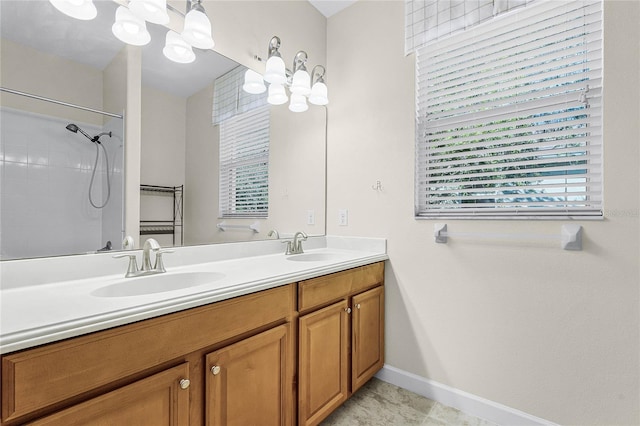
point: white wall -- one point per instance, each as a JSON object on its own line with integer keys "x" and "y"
{"x": 552, "y": 333}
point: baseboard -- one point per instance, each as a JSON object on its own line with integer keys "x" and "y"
{"x": 463, "y": 401}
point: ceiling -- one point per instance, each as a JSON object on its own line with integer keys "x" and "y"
{"x": 38, "y": 25}
{"x": 331, "y": 7}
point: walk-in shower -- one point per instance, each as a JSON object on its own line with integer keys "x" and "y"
{"x": 96, "y": 139}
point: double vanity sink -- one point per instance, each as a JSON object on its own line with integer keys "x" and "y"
{"x": 83, "y": 344}
{"x": 45, "y": 300}
{"x": 160, "y": 283}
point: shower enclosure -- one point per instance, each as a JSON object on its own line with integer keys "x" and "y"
{"x": 62, "y": 180}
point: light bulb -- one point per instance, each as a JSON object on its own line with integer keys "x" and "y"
{"x": 197, "y": 30}
{"x": 298, "y": 103}
{"x": 178, "y": 50}
{"x": 277, "y": 95}
{"x": 129, "y": 28}
{"x": 253, "y": 83}
{"x": 275, "y": 71}
{"x": 318, "y": 94}
{"x": 154, "y": 11}
{"x": 301, "y": 84}
{"x": 79, "y": 9}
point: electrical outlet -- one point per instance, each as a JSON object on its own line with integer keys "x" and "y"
{"x": 343, "y": 217}
{"x": 311, "y": 217}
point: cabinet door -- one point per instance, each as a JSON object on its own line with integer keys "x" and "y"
{"x": 246, "y": 383}
{"x": 162, "y": 399}
{"x": 323, "y": 362}
{"x": 367, "y": 337}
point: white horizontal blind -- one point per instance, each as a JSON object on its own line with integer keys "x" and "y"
{"x": 509, "y": 116}
{"x": 244, "y": 164}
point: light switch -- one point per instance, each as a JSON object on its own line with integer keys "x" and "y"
{"x": 343, "y": 217}
{"x": 311, "y": 217}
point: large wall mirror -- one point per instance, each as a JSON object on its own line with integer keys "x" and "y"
{"x": 55, "y": 179}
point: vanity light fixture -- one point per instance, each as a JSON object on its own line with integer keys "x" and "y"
{"x": 197, "y": 27}
{"x": 298, "y": 81}
{"x": 177, "y": 49}
{"x": 79, "y": 9}
{"x": 129, "y": 28}
{"x": 130, "y": 24}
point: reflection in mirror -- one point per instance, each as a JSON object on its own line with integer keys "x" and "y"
{"x": 61, "y": 161}
{"x": 82, "y": 63}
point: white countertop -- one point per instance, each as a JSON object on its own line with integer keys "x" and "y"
{"x": 34, "y": 311}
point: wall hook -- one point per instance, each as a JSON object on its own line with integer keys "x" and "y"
{"x": 377, "y": 186}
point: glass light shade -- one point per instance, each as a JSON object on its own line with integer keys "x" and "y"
{"x": 318, "y": 94}
{"x": 301, "y": 84}
{"x": 154, "y": 11}
{"x": 277, "y": 95}
{"x": 197, "y": 30}
{"x": 253, "y": 83}
{"x": 79, "y": 9}
{"x": 275, "y": 71}
{"x": 129, "y": 28}
{"x": 298, "y": 103}
{"x": 178, "y": 50}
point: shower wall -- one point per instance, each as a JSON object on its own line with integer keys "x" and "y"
{"x": 45, "y": 172}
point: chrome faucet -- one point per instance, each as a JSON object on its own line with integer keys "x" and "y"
{"x": 295, "y": 246}
{"x": 149, "y": 246}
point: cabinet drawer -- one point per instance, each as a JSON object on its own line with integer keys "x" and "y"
{"x": 323, "y": 290}
{"x": 40, "y": 377}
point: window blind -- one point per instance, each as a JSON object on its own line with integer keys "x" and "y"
{"x": 428, "y": 20}
{"x": 244, "y": 164}
{"x": 229, "y": 99}
{"x": 509, "y": 116}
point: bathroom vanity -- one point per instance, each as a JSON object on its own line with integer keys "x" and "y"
{"x": 284, "y": 355}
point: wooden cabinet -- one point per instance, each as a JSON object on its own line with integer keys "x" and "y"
{"x": 249, "y": 382}
{"x": 159, "y": 400}
{"x": 323, "y": 362}
{"x": 69, "y": 374}
{"x": 367, "y": 336}
{"x": 341, "y": 346}
{"x": 284, "y": 356}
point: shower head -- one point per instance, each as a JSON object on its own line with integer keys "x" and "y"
{"x": 75, "y": 129}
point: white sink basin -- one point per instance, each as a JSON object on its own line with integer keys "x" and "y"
{"x": 315, "y": 257}
{"x": 159, "y": 283}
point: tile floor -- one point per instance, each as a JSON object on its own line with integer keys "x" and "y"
{"x": 382, "y": 404}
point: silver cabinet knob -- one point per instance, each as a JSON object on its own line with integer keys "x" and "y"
{"x": 184, "y": 383}
{"x": 347, "y": 310}
{"x": 215, "y": 370}
{"x": 357, "y": 306}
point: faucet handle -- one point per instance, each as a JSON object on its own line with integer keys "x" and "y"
{"x": 159, "y": 265}
{"x": 132, "y": 269}
{"x": 289, "y": 244}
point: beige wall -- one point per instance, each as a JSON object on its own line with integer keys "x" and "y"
{"x": 242, "y": 29}
{"x": 29, "y": 70}
{"x": 296, "y": 174}
{"x": 552, "y": 333}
